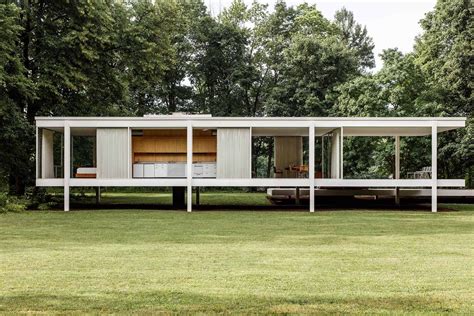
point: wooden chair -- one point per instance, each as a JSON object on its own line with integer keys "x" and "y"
{"x": 278, "y": 173}
{"x": 303, "y": 171}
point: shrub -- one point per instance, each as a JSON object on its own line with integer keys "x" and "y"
{"x": 14, "y": 207}
{"x": 46, "y": 206}
{"x": 3, "y": 199}
{"x": 11, "y": 204}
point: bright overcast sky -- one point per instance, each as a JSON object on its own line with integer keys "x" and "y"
{"x": 390, "y": 23}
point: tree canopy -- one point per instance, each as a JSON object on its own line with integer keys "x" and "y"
{"x": 137, "y": 57}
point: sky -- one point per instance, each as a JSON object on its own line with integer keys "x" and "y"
{"x": 390, "y": 23}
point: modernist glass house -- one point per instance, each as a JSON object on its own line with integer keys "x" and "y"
{"x": 202, "y": 151}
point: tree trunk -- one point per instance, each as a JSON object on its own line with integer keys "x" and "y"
{"x": 16, "y": 185}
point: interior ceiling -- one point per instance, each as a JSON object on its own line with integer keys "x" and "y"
{"x": 75, "y": 131}
{"x": 387, "y": 131}
{"x": 275, "y": 131}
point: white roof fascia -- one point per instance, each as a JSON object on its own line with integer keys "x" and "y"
{"x": 216, "y": 122}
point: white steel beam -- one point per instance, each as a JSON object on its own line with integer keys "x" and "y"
{"x": 311, "y": 169}
{"x": 255, "y": 182}
{"x": 59, "y": 182}
{"x": 373, "y": 183}
{"x": 260, "y": 182}
{"x": 460, "y": 183}
{"x": 434, "y": 167}
{"x": 135, "y": 182}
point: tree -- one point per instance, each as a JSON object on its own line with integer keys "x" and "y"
{"x": 356, "y": 37}
{"x": 219, "y": 61}
{"x": 15, "y": 132}
{"x": 78, "y": 58}
{"x": 147, "y": 55}
{"x": 445, "y": 53}
{"x": 399, "y": 89}
{"x": 176, "y": 91}
{"x": 312, "y": 62}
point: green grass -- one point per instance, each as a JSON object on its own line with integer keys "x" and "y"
{"x": 206, "y": 198}
{"x": 242, "y": 262}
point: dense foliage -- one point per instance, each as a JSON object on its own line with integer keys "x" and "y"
{"x": 70, "y": 57}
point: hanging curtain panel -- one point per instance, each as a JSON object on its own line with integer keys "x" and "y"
{"x": 112, "y": 153}
{"x": 233, "y": 153}
{"x": 47, "y": 154}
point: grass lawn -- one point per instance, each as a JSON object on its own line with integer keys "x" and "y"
{"x": 119, "y": 261}
{"x": 206, "y": 198}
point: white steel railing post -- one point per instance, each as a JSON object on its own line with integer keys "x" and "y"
{"x": 434, "y": 167}
{"x": 189, "y": 167}
{"x": 311, "y": 168}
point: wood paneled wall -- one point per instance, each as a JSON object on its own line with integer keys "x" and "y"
{"x": 170, "y": 146}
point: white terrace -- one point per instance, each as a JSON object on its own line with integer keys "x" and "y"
{"x": 203, "y": 151}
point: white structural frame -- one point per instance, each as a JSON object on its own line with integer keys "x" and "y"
{"x": 434, "y": 167}
{"x": 298, "y": 126}
{"x": 397, "y": 168}
{"x": 67, "y": 164}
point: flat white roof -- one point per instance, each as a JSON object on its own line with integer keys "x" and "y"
{"x": 267, "y": 126}
{"x": 227, "y": 118}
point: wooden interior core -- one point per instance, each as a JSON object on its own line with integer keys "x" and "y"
{"x": 169, "y": 145}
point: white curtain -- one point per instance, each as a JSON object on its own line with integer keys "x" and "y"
{"x": 47, "y": 150}
{"x": 233, "y": 153}
{"x": 336, "y": 154}
{"x": 112, "y": 153}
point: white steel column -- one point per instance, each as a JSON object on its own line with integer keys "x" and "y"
{"x": 130, "y": 158}
{"x": 335, "y": 154}
{"x": 189, "y": 167}
{"x": 311, "y": 168}
{"x": 67, "y": 163}
{"x": 434, "y": 167}
{"x": 37, "y": 156}
{"x": 341, "y": 155}
{"x": 397, "y": 168}
{"x": 322, "y": 156}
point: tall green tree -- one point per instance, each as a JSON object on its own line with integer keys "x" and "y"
{"x": 445, "y": 52}
{"x": 148, "y": 56}
{"x": 219, "y": 61}
{"x": 356, "y": 37}
{"x": 16, "y": 90}
{"x": 176, "y": 90}
{"x": 312, "y": 61}
{"x": 399, "y": 89}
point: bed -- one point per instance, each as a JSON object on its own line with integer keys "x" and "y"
{"x": 86, "y": 172}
